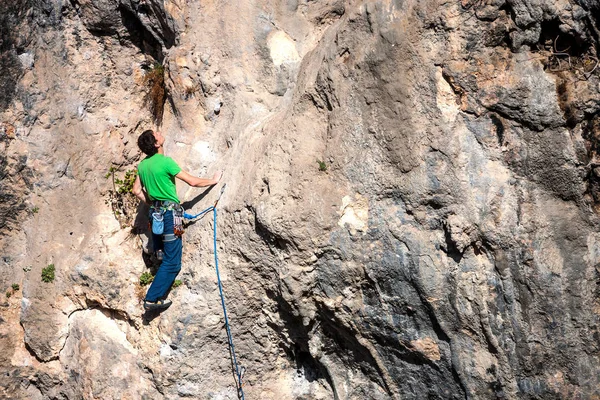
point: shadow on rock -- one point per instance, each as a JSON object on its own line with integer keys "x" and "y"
{"x": 188, "y": 205}
{"x": 151, "y": 315}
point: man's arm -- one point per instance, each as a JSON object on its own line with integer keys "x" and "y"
{"x": 199, "y": 182}
{"x": 138, "y": 190}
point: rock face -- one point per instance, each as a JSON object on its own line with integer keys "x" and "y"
{"x": 411, "y": 209}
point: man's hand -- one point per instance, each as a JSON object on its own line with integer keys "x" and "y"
{"x": 217, "y": 176}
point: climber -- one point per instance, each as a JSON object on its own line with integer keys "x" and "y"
{"x": 155, "y": 186}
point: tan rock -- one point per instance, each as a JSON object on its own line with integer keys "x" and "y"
{"x": 428, "y": 347}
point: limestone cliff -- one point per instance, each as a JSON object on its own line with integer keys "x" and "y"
{"x": 411, "y": 208}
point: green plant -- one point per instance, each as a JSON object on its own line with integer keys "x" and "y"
{"x": 154, "y": 80}
{"x": 111, "y": 171}
{"x": 146, "y": 278}
{"x": 8, "y": 294}
{"x": 125, "y": 185}
{"x": 176, "y": 284}
{"x": 322, "y": 165}
{"x": 15, "y": 286}
{"x": 48, "y": 273}
{"x": 35, "y": 210}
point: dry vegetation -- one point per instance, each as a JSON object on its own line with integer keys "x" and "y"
{"x": 154, "y": 80}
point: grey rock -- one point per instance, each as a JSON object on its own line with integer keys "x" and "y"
{"x": 27, "y": 60}
{"x": 100, "y": 16}
{"x": 154, "y": 20}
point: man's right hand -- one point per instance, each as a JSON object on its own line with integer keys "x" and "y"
{"x": 217, "y": 176}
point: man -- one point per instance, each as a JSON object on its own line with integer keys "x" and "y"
{"x": 155, "y": 185}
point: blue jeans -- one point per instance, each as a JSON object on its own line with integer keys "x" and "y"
{"x": 171, "y": 263}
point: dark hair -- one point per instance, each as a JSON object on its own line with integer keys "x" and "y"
{"x": 146, "y": 143}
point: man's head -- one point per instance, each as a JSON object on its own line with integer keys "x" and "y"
{"x": 149, "y": 142}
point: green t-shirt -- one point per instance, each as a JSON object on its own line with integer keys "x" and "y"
{"x": 157, "y": 174}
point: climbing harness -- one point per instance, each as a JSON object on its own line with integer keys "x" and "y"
{"x": 157, "y": 212}
{"x": 239, "y": 371}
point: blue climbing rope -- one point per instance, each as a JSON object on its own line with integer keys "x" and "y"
{"x": 192, "y": 216}
{"x": 239, "y": 371}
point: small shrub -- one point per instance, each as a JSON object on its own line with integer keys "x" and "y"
{"x": 177, "y": 283}
{"x": 48, "y": 273}
{"x": 15, "y": 286}
{"x": 126, "y": 184}
{"x": 322, "y": 165}
{"x": 120, "y": 198}
{"x": 8, "y": 294}
{"x": 35, "y": 210}
{"x": 146, "y": 278}
{"x": 111, "y": 171}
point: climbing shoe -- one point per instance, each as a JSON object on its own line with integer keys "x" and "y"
{"x": 160, "y": 304}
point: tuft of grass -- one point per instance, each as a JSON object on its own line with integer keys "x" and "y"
{"x": 190, "y": 91}
{"x": 322, "y": 165}
{"x": 177, "y": 283}
{"x": 35, "y": 210}
{"x": 154, "y": 80}
{"x": 14, "y": 288}
{"x": 146, "y": 278}
{"x": 48, "y": 273}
